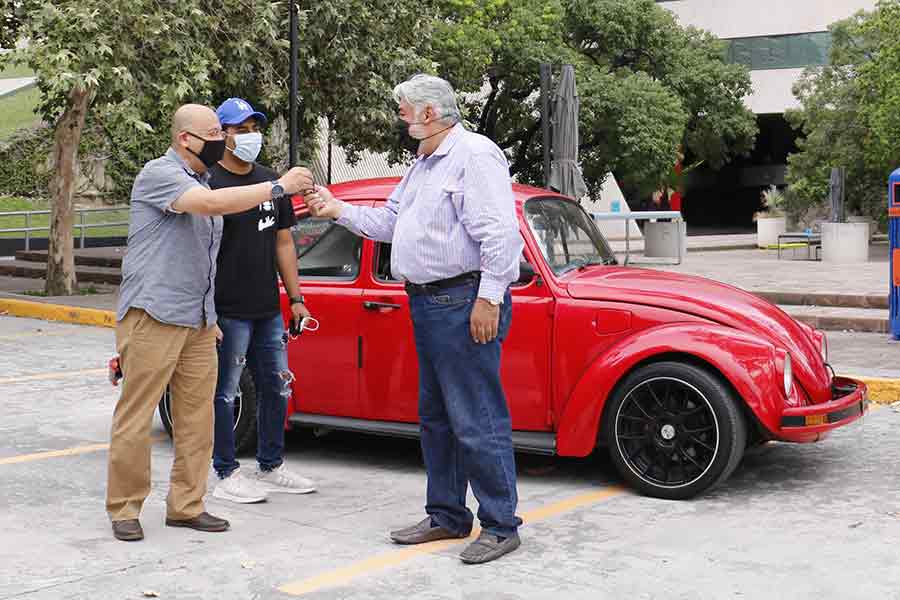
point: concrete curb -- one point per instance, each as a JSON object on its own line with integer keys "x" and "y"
{"x": 57, "y": 312}
{"x": 882, "y": 390}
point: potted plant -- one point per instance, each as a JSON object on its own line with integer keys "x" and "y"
{"x": 771, "y": 221}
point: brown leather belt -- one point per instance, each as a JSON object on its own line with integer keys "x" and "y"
{"x": 434, "y": 287}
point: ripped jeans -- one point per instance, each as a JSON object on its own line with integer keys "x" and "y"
{"x": 256, "y": 344}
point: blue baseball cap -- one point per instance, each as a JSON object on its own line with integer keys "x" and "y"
{"x": 235, "y": 111}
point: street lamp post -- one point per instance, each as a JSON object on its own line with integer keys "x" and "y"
{"x": 292, "y": 121}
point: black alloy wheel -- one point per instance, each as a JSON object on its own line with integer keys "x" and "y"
{"x": 674, "y": 430}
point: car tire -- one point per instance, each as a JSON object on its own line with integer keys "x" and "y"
{"x": 674, "y": 430}
{"x": 245, "y": 414}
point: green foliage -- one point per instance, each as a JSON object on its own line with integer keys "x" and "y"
{"x": 141, "y": 59}
{"x": 23, "y": 158}
{"x": 849, "y": 114}
{"x": 13, "y": 14}
{"x": 774, "y": 201}
{"x": 647, "y": 86}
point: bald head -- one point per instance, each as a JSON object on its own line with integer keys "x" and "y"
{"x": 195, "y": 118}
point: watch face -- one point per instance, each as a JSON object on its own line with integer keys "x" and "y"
{"x": 277, "y": 190}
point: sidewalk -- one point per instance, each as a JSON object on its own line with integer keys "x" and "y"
{"x": 760, "y": 270}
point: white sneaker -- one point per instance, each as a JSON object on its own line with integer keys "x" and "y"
{"x": 280, "y": 480}
{"x": 239, "y": 488}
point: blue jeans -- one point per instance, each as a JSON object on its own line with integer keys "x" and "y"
{"x": 464, "y": 419}
{"x": 259, "y": 345}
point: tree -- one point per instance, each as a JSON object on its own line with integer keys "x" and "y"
{"x": 12, "y": 16}
{"x": 104, "y": 57}
{"x": 647, "y": 86}
{"x": 849, "y": 114}
{"x": 123, "y": 66}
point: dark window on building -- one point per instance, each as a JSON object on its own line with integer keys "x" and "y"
{"x": 780, "y": 51}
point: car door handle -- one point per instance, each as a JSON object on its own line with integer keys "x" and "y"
{"x": 369, "y": 305}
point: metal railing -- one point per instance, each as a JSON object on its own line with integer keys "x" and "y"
{"x": 80, "y": 225}
{"x": 642, "y": 215}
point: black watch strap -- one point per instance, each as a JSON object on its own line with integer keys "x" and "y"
{"x": 297, "y": 300}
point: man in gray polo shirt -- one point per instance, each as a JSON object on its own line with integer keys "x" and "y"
{"x": 166, "y": 330}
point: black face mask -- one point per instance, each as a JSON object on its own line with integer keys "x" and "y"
{"x": 212, "y": 151}
{"x": 404, "y": 140}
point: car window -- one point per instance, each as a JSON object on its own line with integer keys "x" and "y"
{"x": 325, "y": 249}
{"x": 382, "y": 266}
{"x": 566, "y": 235}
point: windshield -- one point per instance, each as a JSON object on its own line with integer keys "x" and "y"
{"x": 566, "y": 235}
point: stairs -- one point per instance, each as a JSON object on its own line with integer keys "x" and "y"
{"x": 94, "y": 265}
{"x": 835, "y": 312}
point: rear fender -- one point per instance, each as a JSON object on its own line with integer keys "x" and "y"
{"x": 746, "y": 361}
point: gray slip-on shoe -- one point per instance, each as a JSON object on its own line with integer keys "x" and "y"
{"x": 489, "y": 547}
{"x": 422, "y": 533}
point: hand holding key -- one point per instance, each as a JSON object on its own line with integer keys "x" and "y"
{"x": 297, "y": 180}
{"x": 322, "y": 204}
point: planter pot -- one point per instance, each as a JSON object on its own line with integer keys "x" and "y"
{"x": 861, "y": 219}
{"x": 845, "y": 242}
{"x": 768, "y": 229}
{"x": 662, "y": 238}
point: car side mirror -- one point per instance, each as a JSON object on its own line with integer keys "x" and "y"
{"x": 526, "y": 273}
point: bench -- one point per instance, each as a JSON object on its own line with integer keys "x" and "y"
{"x": 813, "y": 243}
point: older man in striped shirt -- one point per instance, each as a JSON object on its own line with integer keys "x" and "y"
{"x": 456, "y": 243}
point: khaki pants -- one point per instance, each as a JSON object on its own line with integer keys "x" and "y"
{"x": 152, "y": 355}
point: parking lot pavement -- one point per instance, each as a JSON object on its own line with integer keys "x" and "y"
{"x": 814, "y": 521}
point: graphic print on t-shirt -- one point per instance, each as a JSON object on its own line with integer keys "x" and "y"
{"x": 267, "y": 215}
{"x": 247, "y": 278}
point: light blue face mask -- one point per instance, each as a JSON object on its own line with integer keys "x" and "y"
{"x": 247, "y": 146}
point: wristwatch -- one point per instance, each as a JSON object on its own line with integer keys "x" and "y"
{"x": 297, "y": 300}
{"x": 493, "y": 302}
{"x": 277, "y": 190}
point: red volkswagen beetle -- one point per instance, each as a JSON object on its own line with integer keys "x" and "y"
{"x": 675, "y": 375}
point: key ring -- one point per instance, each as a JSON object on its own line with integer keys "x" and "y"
{"x": 293, "y": 333}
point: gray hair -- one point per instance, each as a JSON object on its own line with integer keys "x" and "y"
{"x": 427, "y": 90}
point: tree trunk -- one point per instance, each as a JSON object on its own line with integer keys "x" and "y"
{"x": 60, "y": 258}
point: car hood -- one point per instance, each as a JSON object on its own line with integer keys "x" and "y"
{"x": 710, "y": 300}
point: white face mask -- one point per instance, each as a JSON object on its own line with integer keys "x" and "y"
{"x": 247, "y": 146}
{"x": 417, "y": 130}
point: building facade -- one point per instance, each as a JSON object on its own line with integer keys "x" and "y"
{"x": 777, "y": 40}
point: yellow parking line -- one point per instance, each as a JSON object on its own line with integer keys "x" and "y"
{"x": 27, "y": 334}
{"x": 22, "y": 458}
{"x": 56, "y": 375}
{"x": 53, "y": 454}
{"x": 392, "y": 559}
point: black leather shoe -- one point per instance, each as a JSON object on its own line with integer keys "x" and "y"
{"x": 423, "y": 532}
{"x": 128, "y": 530}
{"x": 202, "y": 522}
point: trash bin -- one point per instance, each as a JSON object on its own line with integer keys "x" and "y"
{"x": 894, "y": 229}
{"x": 663, "y": 238}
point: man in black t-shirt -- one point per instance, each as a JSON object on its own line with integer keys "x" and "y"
{"x": 254, "y": 244}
